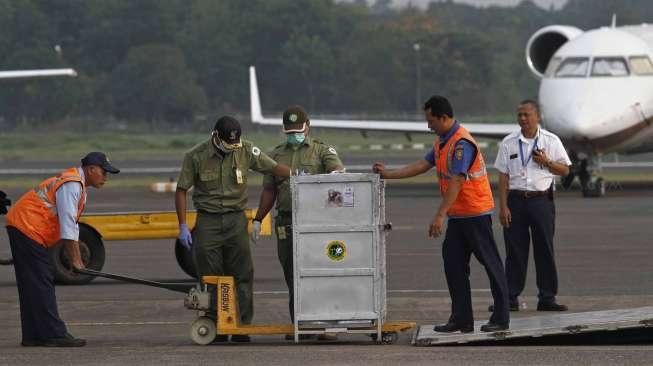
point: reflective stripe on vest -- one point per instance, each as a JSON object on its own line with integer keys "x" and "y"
{"x": 475, "y": 196}
{"x": 35, "y": 213}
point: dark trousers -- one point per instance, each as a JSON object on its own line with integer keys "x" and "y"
{"x": 283, "y": 228}
{"x": 531, "y": 218}
{"x": 39, "y": 317}
{"x": 463, "y": 237}
{"x": 221, "y": 248}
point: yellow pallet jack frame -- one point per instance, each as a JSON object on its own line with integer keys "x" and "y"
{"x": 227, "y": 320}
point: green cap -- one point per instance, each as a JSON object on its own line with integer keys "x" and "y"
{"x": 294, "y": 119}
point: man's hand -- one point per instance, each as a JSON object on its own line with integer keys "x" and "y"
{"x": 539, "y": 156}
{"x": 185, "y": 237}
{"x": 436, "y": 227}
{"x": 255, "y": 235}
{"x": 379, "y": 168}
{"x": 71, "y": 248}
{"x": 78, "y": 264}
{"x": 505, "y": 217}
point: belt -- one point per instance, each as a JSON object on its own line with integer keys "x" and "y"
{"x": 529, "y": 194}
{"x": 205, "y": 212}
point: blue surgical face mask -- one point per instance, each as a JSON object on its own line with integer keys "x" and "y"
{"x": 296, "y": 138}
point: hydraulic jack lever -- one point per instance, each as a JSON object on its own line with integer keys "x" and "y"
{"x": 178, "y": 287}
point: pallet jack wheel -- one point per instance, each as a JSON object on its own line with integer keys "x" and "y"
{"x": 386, "y": 337}
{"x": 203, "y": 330}
{"x": 389, "y": 337}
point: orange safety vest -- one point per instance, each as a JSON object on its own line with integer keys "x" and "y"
{"x": 35, "y": 213}
{"x": 475, "y": 197}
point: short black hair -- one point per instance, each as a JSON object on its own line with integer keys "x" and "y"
{"x": 533, "y": 103}
{"x": 439, "y": 106}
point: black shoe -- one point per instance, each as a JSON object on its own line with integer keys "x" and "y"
{"x": 551, "y": 306}
{"x": 493, "y": 327}
{"x": 221, "y": 338}
{"x": 512, "y": 307}
{"x": 30, "y": 343}
{"x": 453, "y": 327}
{"x": 240, "y": 338}
{"x": 66, "y": 341}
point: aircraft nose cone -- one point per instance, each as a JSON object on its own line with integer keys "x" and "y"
{"x": 569, "y": 118}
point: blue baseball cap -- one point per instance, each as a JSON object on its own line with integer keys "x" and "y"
{"x": 100, "y": 159}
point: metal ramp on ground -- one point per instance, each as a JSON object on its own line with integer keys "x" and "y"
{"x": 544, "y": 325}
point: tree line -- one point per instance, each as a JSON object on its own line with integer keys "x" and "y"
{"x": 172, "y": 60}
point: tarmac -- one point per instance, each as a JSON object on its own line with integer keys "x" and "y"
{"x": 603, "y": 255}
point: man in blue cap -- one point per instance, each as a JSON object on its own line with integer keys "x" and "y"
{"x": 42, "y": 218}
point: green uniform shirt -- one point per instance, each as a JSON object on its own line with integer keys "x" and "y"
{"x": 313, "y": 157}
{"x": 215, "y": 178}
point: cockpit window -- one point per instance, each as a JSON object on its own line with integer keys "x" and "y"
{"x": 609, "y": 66}
{"x": 552, "y": 67}
{"x": 641, "y": 65}
{"x": 573, "y": 67}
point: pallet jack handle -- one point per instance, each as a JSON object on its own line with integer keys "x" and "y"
{"x": 177, "y": 287}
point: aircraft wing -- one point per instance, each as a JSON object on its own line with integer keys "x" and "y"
{"x": 491, "y": 130}
{"x": 39, "y": 73}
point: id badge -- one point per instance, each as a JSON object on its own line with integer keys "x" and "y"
{"x": 239, "y": 176}
{"x": 281, "y": 232}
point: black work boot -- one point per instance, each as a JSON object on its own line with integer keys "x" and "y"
{"x": 451, "y": 327}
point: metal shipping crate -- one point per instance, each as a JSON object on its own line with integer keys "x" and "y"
{"x": 339, "y": 253}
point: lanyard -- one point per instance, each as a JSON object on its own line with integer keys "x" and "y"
{"x": 521, "y": 152}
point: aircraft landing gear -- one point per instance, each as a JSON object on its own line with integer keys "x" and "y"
{"x": 595, "y": 187}
{"x": 583, "y": 167}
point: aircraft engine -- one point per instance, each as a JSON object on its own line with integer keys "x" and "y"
{"x": 544, "y": 43}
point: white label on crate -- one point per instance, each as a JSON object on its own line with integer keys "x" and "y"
{"x": 348, "y": 199}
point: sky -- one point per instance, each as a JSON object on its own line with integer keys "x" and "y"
{"x": 543, "y": 3}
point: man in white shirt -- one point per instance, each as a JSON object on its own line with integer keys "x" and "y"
{"x": 528, "y": 161}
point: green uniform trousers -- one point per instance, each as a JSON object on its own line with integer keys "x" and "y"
{"x": 221, "y": 248}
{"x": 283, "y": 228}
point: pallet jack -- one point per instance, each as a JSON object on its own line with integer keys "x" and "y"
{"x": 208, "y": 324}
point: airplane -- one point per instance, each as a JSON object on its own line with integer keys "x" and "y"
{"x": 596, "y": 94}
{"x": 37, "y": 73}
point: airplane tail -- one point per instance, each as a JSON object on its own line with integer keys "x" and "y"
{"x": 254, "y": 99}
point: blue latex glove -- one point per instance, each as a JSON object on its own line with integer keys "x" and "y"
{"x": 255, "y": 235}
{"x": 185, "y": 238}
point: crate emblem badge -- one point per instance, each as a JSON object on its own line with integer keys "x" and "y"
{"x": 336, "y": 250}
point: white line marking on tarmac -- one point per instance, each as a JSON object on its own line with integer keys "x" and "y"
{"x": 282, "y": 292}
{"x": 433, "y": 291}
{"x": 124, "y": 323}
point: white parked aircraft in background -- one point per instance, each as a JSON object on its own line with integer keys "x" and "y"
{"x": 596, "y": 93}
{"x": 39, "y": 73}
